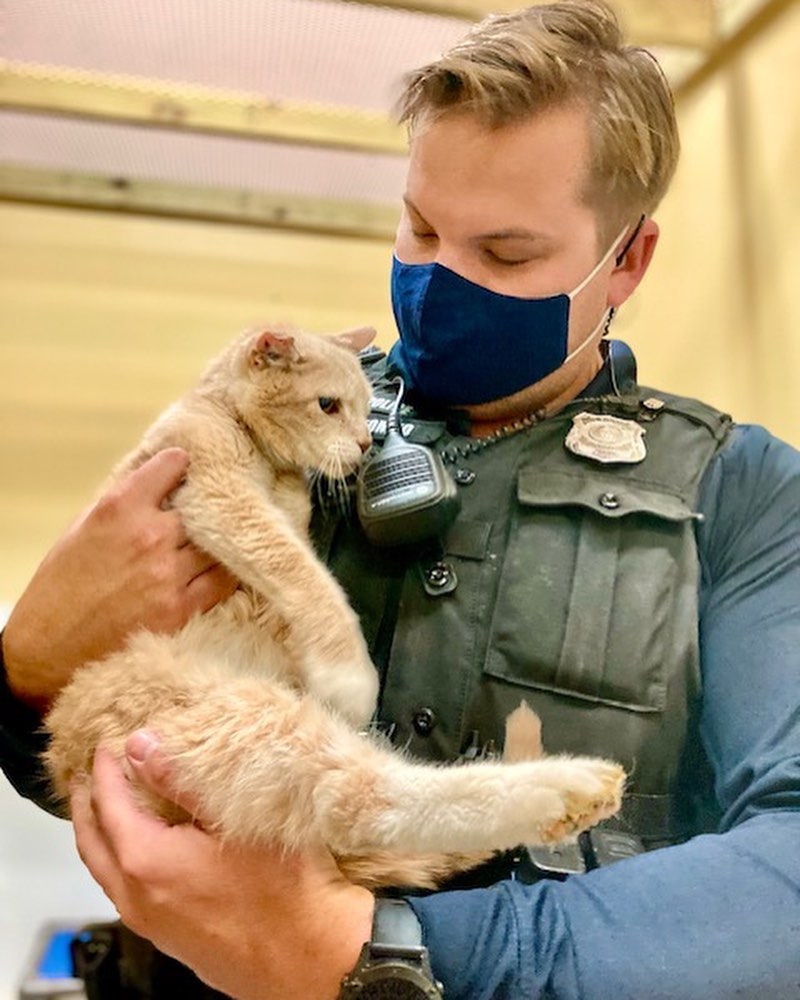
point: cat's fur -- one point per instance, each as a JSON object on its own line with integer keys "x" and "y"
{"x": 260, "y": 699}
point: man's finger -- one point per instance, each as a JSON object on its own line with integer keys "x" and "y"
{"x": 155, "y": 770}
{"x": 159, "y": 476}
{"x": 210, "y": 587}
{"x": 117, "y": 813}
{"x": 194, "y": 561}
{"x": 93, "y": 848}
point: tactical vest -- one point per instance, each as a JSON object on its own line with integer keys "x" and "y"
{"x": 564, "y": 582}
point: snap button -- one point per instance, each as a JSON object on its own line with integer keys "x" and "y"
{"x": 424, "y": 721}
{"x": 438, "y": 575}
{"x": 438, "y": 578}
{"x": 464, "y": 477}
{"x": 609, "y": 500}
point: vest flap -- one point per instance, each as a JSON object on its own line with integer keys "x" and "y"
{"x": 601, "y": 491}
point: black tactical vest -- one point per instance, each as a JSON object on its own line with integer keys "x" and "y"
{"x": 564, "y": 582}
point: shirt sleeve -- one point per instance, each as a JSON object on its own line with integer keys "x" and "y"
{"x": 22, "y": 742}
{"x": 719, "y": 916}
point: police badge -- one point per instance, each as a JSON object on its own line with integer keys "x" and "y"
{"x": 606, "y": 439}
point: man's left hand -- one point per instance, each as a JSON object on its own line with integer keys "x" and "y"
{"x": 255, "y": 922}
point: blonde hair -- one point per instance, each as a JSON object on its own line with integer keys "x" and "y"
{"x": 511, "y": 66}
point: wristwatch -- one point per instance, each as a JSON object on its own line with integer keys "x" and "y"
{"x": 393, "y": 964}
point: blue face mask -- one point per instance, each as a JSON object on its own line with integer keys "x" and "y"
{"x": 462, "y": 344}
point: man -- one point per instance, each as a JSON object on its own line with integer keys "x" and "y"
{"x": 624, "y": 559}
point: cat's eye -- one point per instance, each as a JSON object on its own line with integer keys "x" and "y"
{"x": 329, "y": 404}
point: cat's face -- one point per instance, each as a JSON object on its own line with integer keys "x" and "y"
{"x": 306, "y": 399}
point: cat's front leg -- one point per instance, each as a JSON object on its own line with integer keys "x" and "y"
{"x": 260, "y": 546}
{"x": 350, "y": 686}
{"x": 344, "y": 678}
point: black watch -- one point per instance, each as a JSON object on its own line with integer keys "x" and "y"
{"x": 394, "y": 964}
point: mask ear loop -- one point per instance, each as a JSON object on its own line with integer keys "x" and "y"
{"x": 629, "y": 242}
{"x": 598, "y": 266}
{"x": 604, "y": 323}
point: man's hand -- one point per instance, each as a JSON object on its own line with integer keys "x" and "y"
{"x": 255, "y": 923}
{"x": 125, "y": 563}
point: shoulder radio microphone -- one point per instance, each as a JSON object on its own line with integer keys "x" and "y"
{"x": 404, "y": 492}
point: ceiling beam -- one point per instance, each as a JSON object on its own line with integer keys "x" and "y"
{"x": 761, "y": 18}
{"x": 179, "y": 107}
{"x": 690, "y": 23}
{"x": 329, "y": 217}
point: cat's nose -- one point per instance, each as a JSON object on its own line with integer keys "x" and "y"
{"x": 364, "y": 444}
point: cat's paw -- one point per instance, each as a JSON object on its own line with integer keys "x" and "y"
{"x": 590, "y": 789}
{"x": 350, "y": 692}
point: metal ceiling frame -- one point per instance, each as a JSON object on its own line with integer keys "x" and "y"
{"x": 181, "y": 107}
{"x": 69, "y": 189}
{"x": 691, "y": 23}
{"x": 155, "y": 104}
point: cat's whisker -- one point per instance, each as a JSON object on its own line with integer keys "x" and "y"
{"x": 321, "y": 488}
{"x": 344, "y": 497}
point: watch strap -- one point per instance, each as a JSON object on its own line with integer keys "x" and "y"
{"x": 395, "y": 923}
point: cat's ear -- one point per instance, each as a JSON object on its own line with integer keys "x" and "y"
{"x": 272, "y": 347}
{"x": 357, "y": 339}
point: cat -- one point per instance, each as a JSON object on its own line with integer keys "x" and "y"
{"x": 262, "y": 700}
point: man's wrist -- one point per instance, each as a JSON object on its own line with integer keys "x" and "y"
{"x": 15, "y": 704}
{"x": 29, "y": 683}
{"x": 394, "y": 961}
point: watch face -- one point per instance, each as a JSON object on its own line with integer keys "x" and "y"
{"x": 392, "y": 981}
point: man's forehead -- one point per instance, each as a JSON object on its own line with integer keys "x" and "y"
{"x": 526, "y": 180}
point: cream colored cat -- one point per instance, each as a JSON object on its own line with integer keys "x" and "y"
{"x": 261, "y": 698}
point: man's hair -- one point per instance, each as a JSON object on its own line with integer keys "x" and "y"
{"x": 511, "y": 66}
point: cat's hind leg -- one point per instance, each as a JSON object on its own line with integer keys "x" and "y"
{"x": 267, "y": 764}
{"x": 465, "y": 808}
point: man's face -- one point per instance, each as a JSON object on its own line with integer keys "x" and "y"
{"x": 503, "y": 208}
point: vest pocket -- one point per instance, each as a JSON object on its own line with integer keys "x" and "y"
{"x": 587, "y": 596}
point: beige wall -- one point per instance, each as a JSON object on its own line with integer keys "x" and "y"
{"x": 718, "y": 316}
{"x": 105, "y": 318}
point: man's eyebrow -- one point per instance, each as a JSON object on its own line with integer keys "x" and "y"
{"x": 511, "y": 233}
{"x": 410, "y": 204}
{"x": 516, "y": 233}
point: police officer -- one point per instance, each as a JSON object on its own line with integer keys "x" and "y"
{"x": 624, "y": 559}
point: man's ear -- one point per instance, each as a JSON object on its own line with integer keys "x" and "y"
{"x": 357, "y": 339}
{"x": 272, "y": 347}
{"x": 631, "y": 269}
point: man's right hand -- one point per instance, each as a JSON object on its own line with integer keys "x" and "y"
{"x": 125, "y": 563}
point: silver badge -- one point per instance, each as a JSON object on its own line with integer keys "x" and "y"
{"x": 606, "y": 439}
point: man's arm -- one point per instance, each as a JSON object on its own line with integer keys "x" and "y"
{"x": 125, "y": 563}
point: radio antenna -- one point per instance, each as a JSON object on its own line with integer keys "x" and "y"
{"x": 393, "y": 425}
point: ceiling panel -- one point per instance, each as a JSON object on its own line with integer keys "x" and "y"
{"x": 316, "y": 51}
{"x": 287, "y": 97}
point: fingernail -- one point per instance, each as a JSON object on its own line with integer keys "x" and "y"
{"x": 140, "y": 745}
